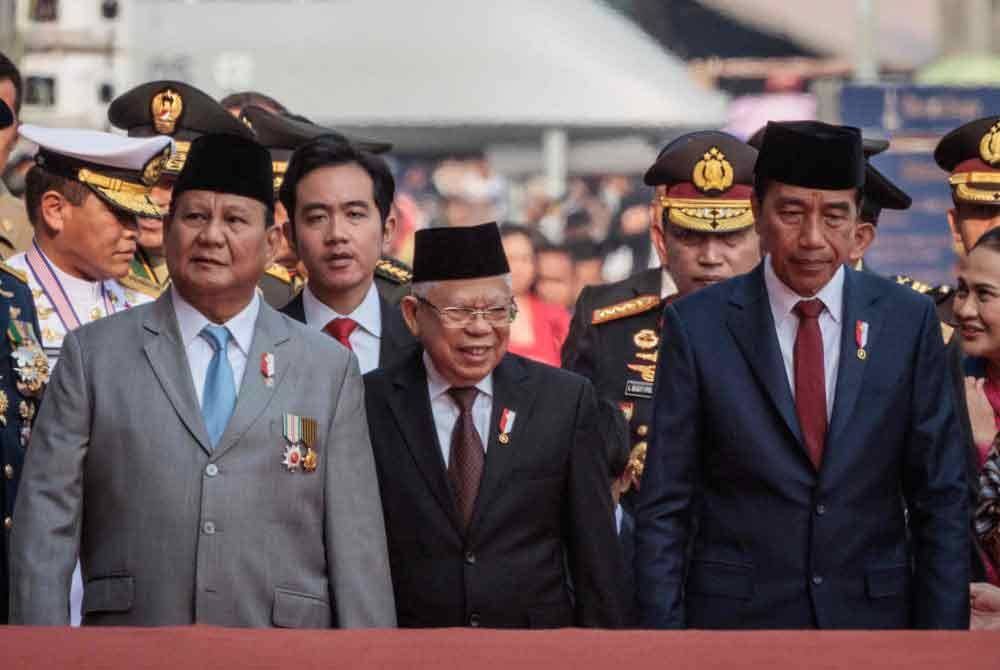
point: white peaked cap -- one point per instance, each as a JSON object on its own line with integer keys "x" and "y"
{"x": 97, "y": 147}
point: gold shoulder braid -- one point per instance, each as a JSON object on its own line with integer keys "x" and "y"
{"x": 620, "y": 310}
{"x": 394, "y": 271}
{"x": 14, "y": 272}
{"x": 144, "y": 286}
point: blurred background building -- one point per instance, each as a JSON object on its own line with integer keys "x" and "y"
{"x": 545, "y": 112}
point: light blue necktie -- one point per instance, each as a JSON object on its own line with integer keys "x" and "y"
{"x": 219, "y": 396}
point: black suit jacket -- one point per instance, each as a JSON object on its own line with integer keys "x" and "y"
{"x": 877, "y": 538}
{"x": 543, "y": 515}
{"x": 396, "y": 342}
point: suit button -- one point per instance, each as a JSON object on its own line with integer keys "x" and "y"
{"x": 8, "y": 523}
{"x": 642, "y": 430}
{"x": 817, "y": 580}
{"x": 820, "y": 510}
{"x": 211, "y": 469}
{"x": 474, "y": 620}
{"x": 470, "y": 558}
{"x": 209, "y": 528}
{"x": 8, "y": 471}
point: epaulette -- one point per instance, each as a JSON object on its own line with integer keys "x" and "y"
{"x": 14, "y": 272}
{"x": 279, "y": 272}
{"x": 918, "y": 286}
{"x": 620, "y": 310}
{"x": 142, "y": 285}
{"x": 942, "y": 292}
{"x": 393, "y": 270}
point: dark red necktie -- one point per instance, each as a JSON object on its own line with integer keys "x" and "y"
{"x": 466, "y": 459}
{"x": 340, "y": 329}
{"x": 810, "y": 379}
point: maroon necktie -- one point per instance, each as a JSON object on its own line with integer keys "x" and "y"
{"x": 340, "y": 329}
{"x": 810, "y": 379}
{"x": 465, "y": 462}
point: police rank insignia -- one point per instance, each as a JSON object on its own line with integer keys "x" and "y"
{"x": 300, "y": 450}
{"x": 713, "y": 172}
{"x": 31, "y": 365}
{"x": 989, "y": 145}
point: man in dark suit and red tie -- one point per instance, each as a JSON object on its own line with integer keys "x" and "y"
{"x": 492, "y": 468}
{"x": 805, "y": 469}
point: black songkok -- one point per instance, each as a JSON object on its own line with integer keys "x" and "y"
{"x": 812, "y": 154}
{"x": 228, "y": 164}
{"x": 441, "y": 254}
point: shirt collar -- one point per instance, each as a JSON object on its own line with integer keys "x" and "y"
{"x": 784, "y": 299}
{"x": 668, "y": 287}
{"x": 368, "y": 315}
{"x": 191, "y": 321}
{"x": 438, "y": 386}
{"x": 74, "y": 286}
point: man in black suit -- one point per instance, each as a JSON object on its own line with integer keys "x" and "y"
{"x": 805, "y": 468}
{"x": 339, "y": 201}
{"x": 492, "y": 468}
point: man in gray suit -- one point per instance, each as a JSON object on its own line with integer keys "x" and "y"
{"x": 190, "y": 502}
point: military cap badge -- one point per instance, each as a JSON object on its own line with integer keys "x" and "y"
{"x": 989, "y": 145}
{"x": 166, "y": 107}
{"x": 713, "y": 172}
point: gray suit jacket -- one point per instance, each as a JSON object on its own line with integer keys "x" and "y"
{"x": 170, "y": 532}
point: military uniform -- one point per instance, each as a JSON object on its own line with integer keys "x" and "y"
{"x": 15, "y": 228}
{"x": 703, "y": 182}
{"x": 179, "y": 111}
{"x": 392, "y": 279}
{"x": 24, "y": 371}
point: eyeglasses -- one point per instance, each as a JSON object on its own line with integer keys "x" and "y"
{"x": 460, "y": 317}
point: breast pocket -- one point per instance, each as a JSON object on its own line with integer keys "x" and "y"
{"x": 111, "y": 594}
{"x": 300, "y": 610}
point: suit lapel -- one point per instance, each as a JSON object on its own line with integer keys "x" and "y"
{"x": 295, "y": 308}
{"x": 859, "y": 305}
{"x": 752, "y": 325}
{"x": 411, "y": 406}
{"x": 166, "y": 355}
{"x": 270, "y": 333}
{"x": 511, "y": 392}
{"x": 396, "y": 338}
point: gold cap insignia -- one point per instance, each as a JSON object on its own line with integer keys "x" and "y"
{"x": 989, "y": 146}
{"x": 167, "y": 106}
{"x": 154, "y": 168}
{"x": 713, "y": 172}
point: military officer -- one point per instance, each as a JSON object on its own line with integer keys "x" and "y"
{"x": 182, "y": 112}
{"x": 83, "y": 196}
{"x": 24, "y": 371}
{"x": 281, "y": 134}
{"x": 15, "y": 230}
{"x": 702, "y": 230}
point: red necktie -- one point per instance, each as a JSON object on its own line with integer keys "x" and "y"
{"x": 340, "y": 329}
{"x": 810, "y": 379}
{"x": 466, "y": 459}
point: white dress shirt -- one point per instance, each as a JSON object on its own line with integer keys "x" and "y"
{"x": 199, "y": 351}
{"x": 786, "y": 323}
{"x": 366, "y": 338}
{"x": 446, "y": 411}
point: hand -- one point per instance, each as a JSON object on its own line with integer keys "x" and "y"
{"x": 984, "y": 600}
{"x": 981, "y": 416}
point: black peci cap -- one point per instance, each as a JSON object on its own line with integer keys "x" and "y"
{"x": 812, "y": 154}
{"x": 228, "y": 164}
{"x": 470, "y": 252}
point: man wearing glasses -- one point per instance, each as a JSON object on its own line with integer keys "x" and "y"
{"x": 492, "y": 469}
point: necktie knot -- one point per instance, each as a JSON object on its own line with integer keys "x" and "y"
{"x": 217, "y": 336}
{"x": 340, "y": 329}
{"x": 809, "y": 309}
{"x": 464, "y": 396}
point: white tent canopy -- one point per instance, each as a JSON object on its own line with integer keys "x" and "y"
{"x": 474, "y": 70}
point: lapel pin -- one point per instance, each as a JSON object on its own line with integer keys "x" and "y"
{"x": 861, "y": 338}
{"x": 267, "y": 369}
{"x": 507, "y": 417}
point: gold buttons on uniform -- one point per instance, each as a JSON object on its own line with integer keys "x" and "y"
{"x": 8, "y": 471}
{"x": 642, "y": 430}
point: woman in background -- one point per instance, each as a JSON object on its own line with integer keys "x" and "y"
{"x": 540, "y": 328}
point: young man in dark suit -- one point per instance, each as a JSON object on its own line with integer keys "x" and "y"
{"x": 805, "y": 469}
{"x": 493, "y": 469}
{"x": 339, "y": 201}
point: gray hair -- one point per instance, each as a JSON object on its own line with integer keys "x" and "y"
{"x": 421, "y": 289}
